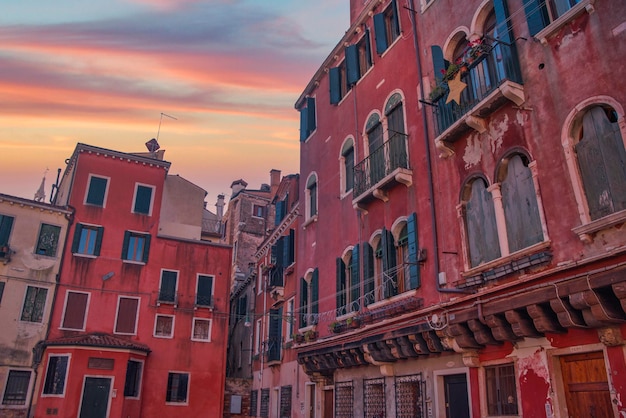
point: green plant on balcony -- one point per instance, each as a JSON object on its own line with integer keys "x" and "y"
{"x": 334, "y": 326}
{"x": 310, "y": 335}
{"x": 438, "y": 92}
{"x": 353, "y": 322}
{"x": 297, "y": 337}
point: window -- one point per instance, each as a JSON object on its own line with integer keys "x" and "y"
{"x": 167, "y": 291}
{"x": 204, "y": 292}
{"x": 257, "y": 336}
{"x": 374, "y": 397}
{"x": 75, "y": 311}
{"x": 358, "y": 59}
{"x": 87, "y": 240}
{"x": 1, "y": 290}
{"x": 489, "y": 236}
{"x": 407, "y": 249}
{"x": 282, "y": 207}
{"x": 602, "y": 162}
{"x": 96, "y": 191}
{"x": 56, "y": 375}
{"x": 6, "y": 224}
{"x": 136, "y": 247}
{"x": 127, "y": 312}
{"x": 34, "y": 304}
{"x": 540, "y": 13}
{"x": 254, "y": 402}
{"x": 500, "y": 390}
{"x": 265, "y": 403}
{"x": 274, "y": 340}
{"x": 309, "y": 299}
{"x": 347, "y": 165}
{"x": 143, "y": 199}
{"x": 348, "y": 282}
{"x": 201, "y": 330}
{"x": 386, "y": 27}
{"x": 16, "y": 390}
{"x": 285, "y": 401}
{"x": 337, "y": 78}
{"x": 132, "y": 384}
{"x": 48, "y": 240}
{"x": 311, "y": 196}
{"x": 164, "y": 326}
{"x": 344, "y": 400}
{"x": 308, "y": 123}
{"x": 177, "y": 386}
{"x": 385, "y": 264}
{"x": 409, "y": 397}
{"x": 258, "y": 211}
{"x": 374, "y": 129}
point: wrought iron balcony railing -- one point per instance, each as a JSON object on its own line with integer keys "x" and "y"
{"x": 380, "y": 167}
{"x": 487, "y": 82}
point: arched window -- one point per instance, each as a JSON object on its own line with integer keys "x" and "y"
{"x": 602, "y": 161}
{"x": 396, "y": 132}
{"x": 348, "y": 282}
{"x": 519, "y": 201}
{"x": 311, "y": 196}
{"x": 480, "y": 222}
{"x": 347, "y": 165}
{"x": 309, "y": 298}
{"x": 374, "y": 130}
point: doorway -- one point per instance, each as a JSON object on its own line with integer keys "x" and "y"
{"x": 329, "y": 400}
{"x": 457, "y": 402}
{"x": 586, "y": 385}
{"x": 95, "y": 402}
{"x": 310, "y": 408}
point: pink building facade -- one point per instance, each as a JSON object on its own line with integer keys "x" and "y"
{"x": 138, "y": 327}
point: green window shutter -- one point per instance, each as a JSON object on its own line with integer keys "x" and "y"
{"x": 96, "y": 250}
{"x": 304, "y": 298}
{"x": 1, "y": 290}
{"x": 389, "y": 264}
{"x": 368, "y": 273}
{"x": 143, "y": 199}
{"x": 380, "y": 33}
{"x": 279, "y": 213}
{"x": 205, "y": 291}
{"x": 6, "y": 224}
{"x": 304, "y": 133}
{"x": 76, "y": 241}
{"x": 310, "y": 109}
{"x": 352, "y": 64}
{"x": 536, "y": 15}
{"x": 368, "y": 47}
{"x": 280, "y": 245}
{"x": 315, "y": 292}
{"x": 334, "y": 79}
{"x": 341, "y": 283}
{"x": 292, "y": 246}
{"x": 97, "y": 189}
{"x": 439, "y": 63}
{"x": 125, "y": 245}
{"x": 146, "y": 249}
{"x": 355, "y": 282}
{"x": 396, "y": 21}
{"x": 413, "y": 247}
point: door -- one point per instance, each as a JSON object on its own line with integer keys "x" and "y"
{"x": 311, "y": 405}
{"x": 457, "y": 403}
{"x": 95, "y": 401}
{"x": 586, "y": 385}
{"x": 329, "y": 398}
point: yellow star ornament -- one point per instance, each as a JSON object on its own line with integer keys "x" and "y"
{"x": 456, "y": 87}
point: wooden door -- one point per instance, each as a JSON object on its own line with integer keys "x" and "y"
{"x": 329, "y": 398}
{"x": 95, "y": 403}
{"x": 586, "y": 386}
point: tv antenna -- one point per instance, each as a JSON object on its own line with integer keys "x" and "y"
{"x": 161, "y": 120}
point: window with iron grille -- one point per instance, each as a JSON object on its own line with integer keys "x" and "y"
{"x": 56, "y": 375}
{"x": 409, "y": 398}
{"x": 374, "y": 397}
{"x": 265, "y": 403}
{"x": 254, "y": 399}
{"x": 501, "y": 391}
{"x": 34, "y": 304}
{"x": 344, "y": 400}
{"x": 285, "y": 402}
{"x": 204, "y": 291}
{"x": 16, "y": 390}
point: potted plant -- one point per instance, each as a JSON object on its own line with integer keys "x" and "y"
{"x": 438, "y": 92}
{"x": 334, "y": 327}
{"x": 310, "y": 335}
{"x": 299, "y": 338}
{"x": 353, "y": 322}
{"x": 476, "y": 51}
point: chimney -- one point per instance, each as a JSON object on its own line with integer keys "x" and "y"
{"x": 220, "y": 206}
{"x": 274, "y": 181}
{"x": 237, "y": 186}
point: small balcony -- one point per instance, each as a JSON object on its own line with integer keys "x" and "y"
{"x": 383, "y": 169}
{"x": 492, "y": 81}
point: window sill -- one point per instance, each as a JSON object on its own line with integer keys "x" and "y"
{"x": 167, "y": 337}
{"x": 207, "y": 307}
{"x": 309, "y": 221}
{"x": 138, "y": 263}
{"x": 84, "y": 255}
{"x": 555, "y": 26}
{"x": 200, "y": 341}
{"x": 394, "y": 299}
{"x": 506, "y": 259}
{"x": 587, "y": 231}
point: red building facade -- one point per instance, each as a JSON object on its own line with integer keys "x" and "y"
{"x": 462, "y": 246}
{"x": 139, "y": 320}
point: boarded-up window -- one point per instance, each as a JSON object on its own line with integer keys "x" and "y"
{"x": 75, "y": 308}
{"x": 126, "y": 315}
{"x": 480, "y": 223}
{"x": 602, "y": 162}
{"x": 519, "y": 200}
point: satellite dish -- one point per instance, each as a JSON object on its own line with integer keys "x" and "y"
{"x": 152, "y": 145}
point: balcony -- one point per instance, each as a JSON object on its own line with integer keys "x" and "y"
{"x": 381, "y": 170}
{"x": 493, "y": 81}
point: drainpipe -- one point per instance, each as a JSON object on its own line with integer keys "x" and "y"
{"x": 431, "y": 191}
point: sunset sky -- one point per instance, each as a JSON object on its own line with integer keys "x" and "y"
{"x": 102, "y": 72}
